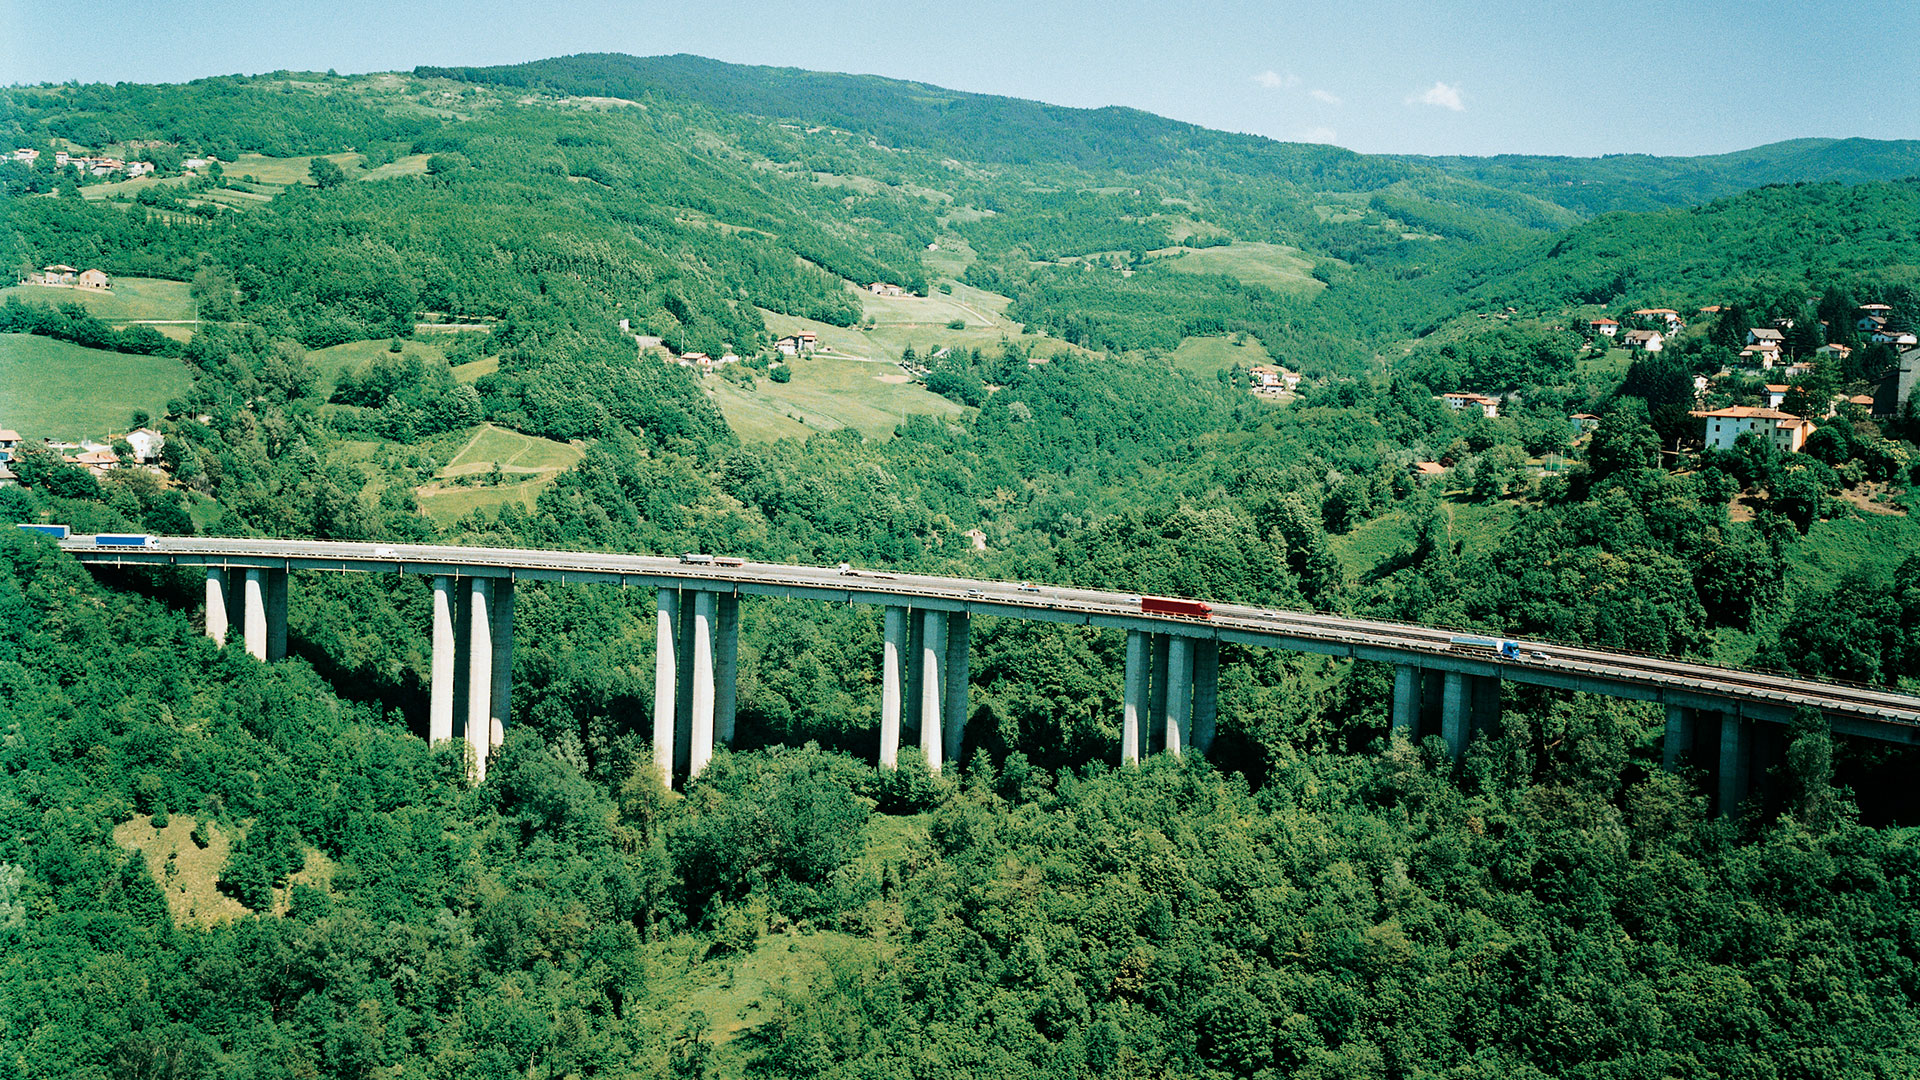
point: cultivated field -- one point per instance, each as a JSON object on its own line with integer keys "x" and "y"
{"x": 51, "y": 389}
{"x": 1274, "y": 266}
{"x": 526, "y": 464}
{"x": 826, "y": 394}
{"x": 131, "y": 299}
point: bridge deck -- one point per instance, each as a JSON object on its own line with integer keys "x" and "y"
{"x": 1870, "y": 711}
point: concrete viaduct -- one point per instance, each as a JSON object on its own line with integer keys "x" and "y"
{"x": 1716, "y": 716}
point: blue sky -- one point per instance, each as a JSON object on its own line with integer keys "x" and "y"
{"x": 1381, "y": 76}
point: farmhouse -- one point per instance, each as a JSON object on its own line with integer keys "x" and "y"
{"x": 1609, "y": 327}
{"x": 1459, "y": 400}
{"x": 91, "y": 279}
{"x": 881, "y": 288}
{"x": 1833, "y": 351}
{"x": 146, "y": 444}
{"x": 1666, "y": 315}
{"x": 799, "y": 344}
{"x": 1646, "y": 340}
{"x": 1761, "y": 355}
{"x": 1765, "y": 335}
{"x": 1784, "y": 430}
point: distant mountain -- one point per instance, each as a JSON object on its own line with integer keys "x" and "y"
{"x": 1594, "y": 186}
{"x": 1001, "y": 130}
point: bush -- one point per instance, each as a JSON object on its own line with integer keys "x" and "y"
{"x": 781, "y": 373}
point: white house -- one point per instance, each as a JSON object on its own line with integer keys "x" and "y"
{"x": 1784, "y": 430}
{"x": 1646, "y": 340}
{"x": 1462, "y": 400}
{"x": 1609, "y": 327}
{"x": 146, "y": 444}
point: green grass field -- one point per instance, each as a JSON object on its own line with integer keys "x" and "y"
{"x": 1207, "y": 356}
{"x": 527, "y": 464}
{"x": 131, "y": 298}
{"x": 1274, "y": 266}
{"x": 50, "y": 389}
{"x": 826, "y": 394}
{"x": 336, "y": 360}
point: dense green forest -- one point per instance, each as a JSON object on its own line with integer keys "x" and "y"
{"x": 1316, "y": 899}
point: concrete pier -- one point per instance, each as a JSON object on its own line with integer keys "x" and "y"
{"x": 1484, "y": 707}
{"x": 479, "y": 719}
{"x": 665, "y": 634}
{"x": 1157, "y": 696}
{"x": 1133, "y": 717}
{"x": 726, "y": 667}
{"x": 500, "y": 697}
{"x": 254, "y": 624}
{"x": 683, "y": 688}
{"x": 959, "y": 640}
{"x": 217, "y": 604}
{"x": 1678, "y": 744}
{"x": 893, "y": 675}
{"x": 276, "y": 614}
{"x": 1179, "y": 694}
{"x": 1406, "y": 700}
{"x": 440, "y": 702}
{"x": 700, "y": 725}
{"x": 1735, "y": 759}
{"x": 1453, "y": 713}
{"x": 1206, "y": 692}
{"x": 933, "y": 661}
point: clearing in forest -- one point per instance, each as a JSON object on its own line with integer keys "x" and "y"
{"x": 1207, "y": 356}
{"x": 189, "y": 874}
{"x": 826, "y": 394}
{"x": 54, "y": 389}
{"x": 1274, "y": 266}
{"x": 493, "y": 467}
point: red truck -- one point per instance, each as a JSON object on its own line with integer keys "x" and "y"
{"x": 1186, "y": 609}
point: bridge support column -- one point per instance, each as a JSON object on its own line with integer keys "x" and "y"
{"x": 1485, "y": 709}
{"x": 479, "y": 718}
{"x": 665, "y": 626}
{"x": 933, "y": 659}
{"x": 959, "y": 639}
{"x": 1453, "y": 713}
{"x": 726, "y": 667}
{"x": 1206, "y": 692}
{"x": 440, "y": 706}
{"x": 1179, "y": 694}
{"x": 217, "y": 604}
{"x": 1406, "y": 699}
{"x": 893, "y": 662}
{"x": 1736, "y": 746}
{"x": 1157, "y": 695}
{"x": 683, "y": 689}
{"x": 700, "y": 740}
{"x": 1678, "y": 743}
{"x": 1133, "y": 716}
{"x": 254, "y": 626}
{"x": 276, "y": 614}
{"x": 916, "y": 675}
{"x": 500, "y": 694}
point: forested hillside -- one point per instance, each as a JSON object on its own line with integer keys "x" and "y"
{"x": 389, "y": 270}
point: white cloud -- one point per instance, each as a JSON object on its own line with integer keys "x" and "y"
{"x": 1322, "y": 95}
{"x": 1442, "y": 95}
{"x": 1273, "y": 80}
{"x": 1318, "y": 135}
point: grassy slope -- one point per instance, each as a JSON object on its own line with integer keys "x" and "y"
{"x": 51, "y": 389}
{"x": 131, "y": 298}
{"x": 1207, "y": 356}
{"x": 336, "y": 360}
{"x": 192, "y": 889}
{"x": 826, "y": 394}
{"x": 527, "y": 465}
{"x": 1274, "y": 266}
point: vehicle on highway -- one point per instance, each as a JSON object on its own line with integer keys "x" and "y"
{"x": 1028, "y": 586}
{"x": 125, "y": 540}
{"x": 729, "y": 560}
{"x": 976, "y": 594}
{"x": 1500, "y": 647}
{"x": 384, "y": 553}
{"x": 1166, "y": 605}
{"x": 58, "y": 532}
{"x": 695, "y": 558}
{"x": 846, "y": 568}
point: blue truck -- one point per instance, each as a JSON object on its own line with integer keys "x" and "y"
{"x": 1505, "y": 650}
{"x": 58, "y": 532}
{"x": 124, "y": 540}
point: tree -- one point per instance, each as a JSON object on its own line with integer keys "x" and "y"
{"x": 1624, "y": 440}
{"x": 326, "y": 173}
